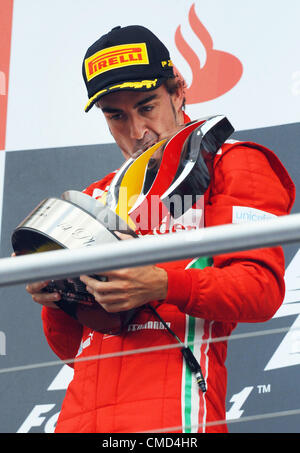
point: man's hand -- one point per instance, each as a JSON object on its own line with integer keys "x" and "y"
{"x": 129, "y": 288}
{"x": 37, "y": 294}
{"x": 40, "y": 297}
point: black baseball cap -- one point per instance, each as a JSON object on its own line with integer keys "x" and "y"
{"x": 126, "y": 58}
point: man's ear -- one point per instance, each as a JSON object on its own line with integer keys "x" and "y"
{"x": 178, "y": 101}
{"x": 179, "y": 96}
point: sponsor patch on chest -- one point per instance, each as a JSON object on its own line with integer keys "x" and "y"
{"x": 245, "y": 214}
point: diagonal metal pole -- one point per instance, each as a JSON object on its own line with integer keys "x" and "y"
{"x": 149, "y": 250}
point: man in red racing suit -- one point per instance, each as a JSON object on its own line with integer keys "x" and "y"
{"x": 204, "y": 299}
{"x": 155, "y": 390}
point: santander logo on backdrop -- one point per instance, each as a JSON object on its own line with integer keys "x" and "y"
{"x": 221, "y": 71}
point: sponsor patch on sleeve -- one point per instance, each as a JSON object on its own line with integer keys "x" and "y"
{"x": 244, "y": 214}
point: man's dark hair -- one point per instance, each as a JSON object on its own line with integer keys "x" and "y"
{"x": 173, "y": 84}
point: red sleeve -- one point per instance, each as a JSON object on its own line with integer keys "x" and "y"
{"x": 244, "y": 286}
{"x": 62, "y": 332}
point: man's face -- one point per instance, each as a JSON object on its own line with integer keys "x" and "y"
{"x": 137, "y": 120}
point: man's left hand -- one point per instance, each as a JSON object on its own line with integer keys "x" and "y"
{"x": 128, "y": 288}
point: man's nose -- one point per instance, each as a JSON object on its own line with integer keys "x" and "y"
{"x": 138, "y": 129}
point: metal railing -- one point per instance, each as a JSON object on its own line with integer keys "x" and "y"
{"x": 149, "y": 250}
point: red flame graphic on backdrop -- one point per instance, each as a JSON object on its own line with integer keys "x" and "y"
{"x": 221, "y": 71}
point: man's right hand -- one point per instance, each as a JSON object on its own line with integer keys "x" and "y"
{"x": 41, "y": 297}
{"x": 38, "y": 295}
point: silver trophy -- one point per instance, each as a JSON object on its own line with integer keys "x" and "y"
{"x": 74, "y": 221}
{"x": 77, "y": 220}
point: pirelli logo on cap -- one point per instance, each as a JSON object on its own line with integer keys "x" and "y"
{"x": 116, "y": 57}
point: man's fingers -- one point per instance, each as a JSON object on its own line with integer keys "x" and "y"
{"x": 113, "y": 302}
{"x": 42, "y": 297}
{"x": 36, "y": 287}
{"x": 96, "y": 284}
{"x": 46, "y": 299}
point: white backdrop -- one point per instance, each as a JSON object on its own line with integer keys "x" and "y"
{"x": 49, "y": 39}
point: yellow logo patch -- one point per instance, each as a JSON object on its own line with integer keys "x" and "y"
{"x": 116, "y": 57}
